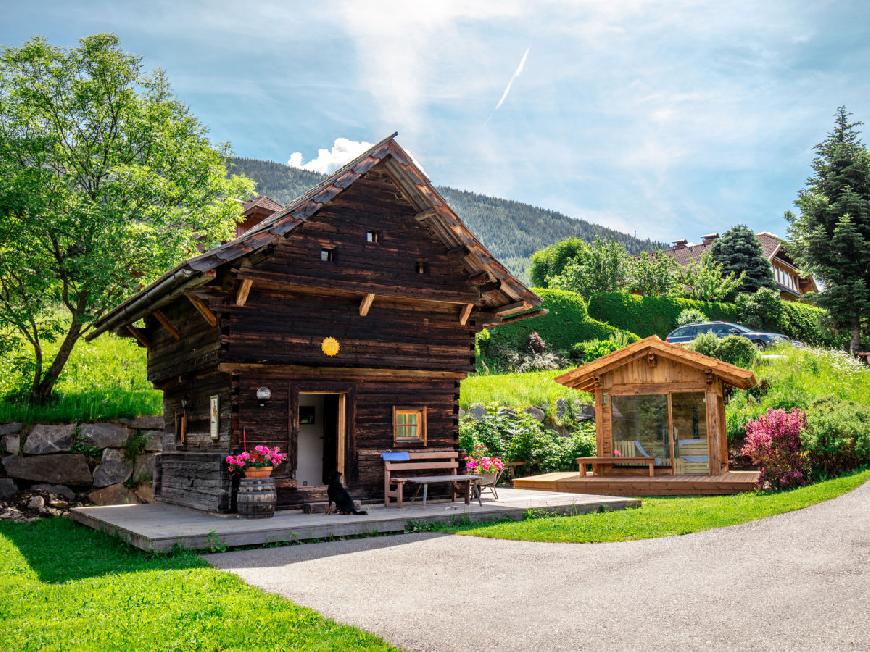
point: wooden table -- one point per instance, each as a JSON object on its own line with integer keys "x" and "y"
{"x": 611, "y": 459}
{"x": 468, "y": 479}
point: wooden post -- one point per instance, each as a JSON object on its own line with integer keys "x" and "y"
{"x": 465, "y": 313}
{"x": 203, "y": 309}
{"x": 366, "y": 304}
{"x": 168, "y": 325}
{"x": 244, "y": 290}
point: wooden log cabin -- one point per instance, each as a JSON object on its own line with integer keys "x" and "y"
{"x": 659, "y": 424}
{"x": 337, "y": 327}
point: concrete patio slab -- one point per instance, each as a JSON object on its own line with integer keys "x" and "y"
{"x": 160, "y": 527}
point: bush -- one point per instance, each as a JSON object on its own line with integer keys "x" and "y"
{"x": 837, "y": 436}
{"x": 651, "y": 315}
{"x": 737, "y": 350}
{"x": 733, "y": 349}
{"x": 809, "y": 324}
{"x": 690, "y": 316}
{"x": 593, "y": 349}
{"x": 517, "y": 436}
{"x": 773, "y": 443}
{"x": 762, "y": 309}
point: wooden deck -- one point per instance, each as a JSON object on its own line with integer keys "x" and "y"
{"x": 732, "y": 482}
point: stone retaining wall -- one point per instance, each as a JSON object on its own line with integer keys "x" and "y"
{"x": 86, "y": 462}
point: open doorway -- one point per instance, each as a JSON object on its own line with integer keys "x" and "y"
{"x": 321, "y": 438}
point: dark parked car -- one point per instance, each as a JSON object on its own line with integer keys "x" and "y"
{"x": 685, "y": 334}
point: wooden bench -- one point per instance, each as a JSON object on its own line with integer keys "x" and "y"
{"x": 612, "y": 459}
{"x": 447, "y": 461}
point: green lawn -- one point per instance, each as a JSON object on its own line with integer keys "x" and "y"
{"x": 65, "y": 587}
{"x": 662, "y": 517}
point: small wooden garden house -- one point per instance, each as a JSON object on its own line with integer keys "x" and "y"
{"x": 336, "y": 328}
{"x": 659, "y": 410}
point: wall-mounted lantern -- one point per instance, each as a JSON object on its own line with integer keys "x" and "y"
{"x": 185, "y": 402}
{"x": 263, "y": 395}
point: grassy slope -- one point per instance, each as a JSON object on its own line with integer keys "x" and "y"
{"x": 103, "y": 379}
{"x": 662, "y": 517}
{"x": 514, "y": 390}
{"x": 67, "y": 587}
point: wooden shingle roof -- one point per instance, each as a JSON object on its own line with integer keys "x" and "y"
{"x": 512, "y": 296}
{"x": 584, "y": 377}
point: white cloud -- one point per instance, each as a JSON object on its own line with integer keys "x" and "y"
{"x": 517, "y": 73}
{"x": 329, "y": 160}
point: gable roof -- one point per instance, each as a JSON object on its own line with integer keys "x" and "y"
{"x": 432, "y": 209}
{"x": 263, "y": 202}
{"x": 771, "y": 245}
{"x": 584, "y": 377}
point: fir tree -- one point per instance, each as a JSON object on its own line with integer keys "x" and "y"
{"x": 831, "y": 235}
{"x": 738, "y": 251}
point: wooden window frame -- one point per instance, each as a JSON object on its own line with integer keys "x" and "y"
{"x": 373, "y": 237}
{"x": 422, "y": 413}
{"x": 327, "y": 254}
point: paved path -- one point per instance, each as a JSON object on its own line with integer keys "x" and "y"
{"x": 795, "y": 581}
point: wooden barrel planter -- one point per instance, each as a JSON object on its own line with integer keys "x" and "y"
{"x": 256, "y": 498}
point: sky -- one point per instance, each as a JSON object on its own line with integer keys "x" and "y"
{"x": 666, "y": 119}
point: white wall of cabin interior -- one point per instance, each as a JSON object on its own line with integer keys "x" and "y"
{"x": 309, "y": 454}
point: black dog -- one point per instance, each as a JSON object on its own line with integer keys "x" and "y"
{"x": 338, "y": 495}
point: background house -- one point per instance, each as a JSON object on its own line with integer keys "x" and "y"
{"x": 791, "y": 283}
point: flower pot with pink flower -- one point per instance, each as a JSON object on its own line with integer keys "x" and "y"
{"x": 488, "y": 467}
{"x": 256, "y": 463}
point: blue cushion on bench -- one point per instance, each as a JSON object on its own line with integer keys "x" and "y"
{"x": 397, "y": 456}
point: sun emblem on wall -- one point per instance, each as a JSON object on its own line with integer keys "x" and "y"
{"x": 330, "y": 346}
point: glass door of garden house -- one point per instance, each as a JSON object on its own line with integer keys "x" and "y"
{"x": 672, "y": 428}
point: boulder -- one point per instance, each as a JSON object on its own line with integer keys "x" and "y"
{"x": 10, "y": 429}
{"x": 587, "y": 412}
{"x": 48, "y": 439}
{"x": 536, "y": 413}
{"x": 146, "y": 423}
{"x": 116, "y": 494}
{"x": 145, "y": 492}
{"x": 36, "y": 503}
{"x": 143, "y": 469}
{"x": 105, "y": 435}
{"x": 12, "y": 444}
{"x": 561, "y": 408}
{"x": 8, "y": 488}
{"x": 477, "y": 411}
{"x": 153, "y": 441}
{"x": 62, "y": 468}
{"x": 113, "y": 468}
{"x": 56, "y": 489}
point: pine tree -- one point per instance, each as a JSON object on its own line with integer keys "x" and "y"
{"x": 739, "y": 251}
{"x": 831, "y": 236}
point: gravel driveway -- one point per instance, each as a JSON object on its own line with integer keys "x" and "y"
{"x": 796, "y": 581}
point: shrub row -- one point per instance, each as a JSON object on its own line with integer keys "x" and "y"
{"x": 658, "y": 316}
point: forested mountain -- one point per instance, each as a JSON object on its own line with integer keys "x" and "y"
{"x": 511, "y": 230}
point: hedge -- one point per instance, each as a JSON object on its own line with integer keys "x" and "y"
{"x": 652, "y": 315}
{"x": 566, "y": 323}
{"x": 658, "y": 316}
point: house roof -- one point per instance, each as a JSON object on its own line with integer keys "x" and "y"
{"x": 584, "y": 377}
{"x": 414, "y": 185}
{"x": 263, "y": 202}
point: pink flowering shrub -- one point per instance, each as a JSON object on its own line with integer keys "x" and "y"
{"x": 773, "y": 443}
{"x": 259, "y": 457}
{"x": 479, "y": 461}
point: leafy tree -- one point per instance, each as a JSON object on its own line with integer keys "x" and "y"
{"x": 690, "y": 316}
{"x": 107, "y": 182}
{"x": 652, "y": 274}
{"x": 551, "y": 261}
{"x": 831, "y": 236}
{"x": 705, "y": 280}
{"x": 739, "y": 252}
{"x": 603, "y": 268}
